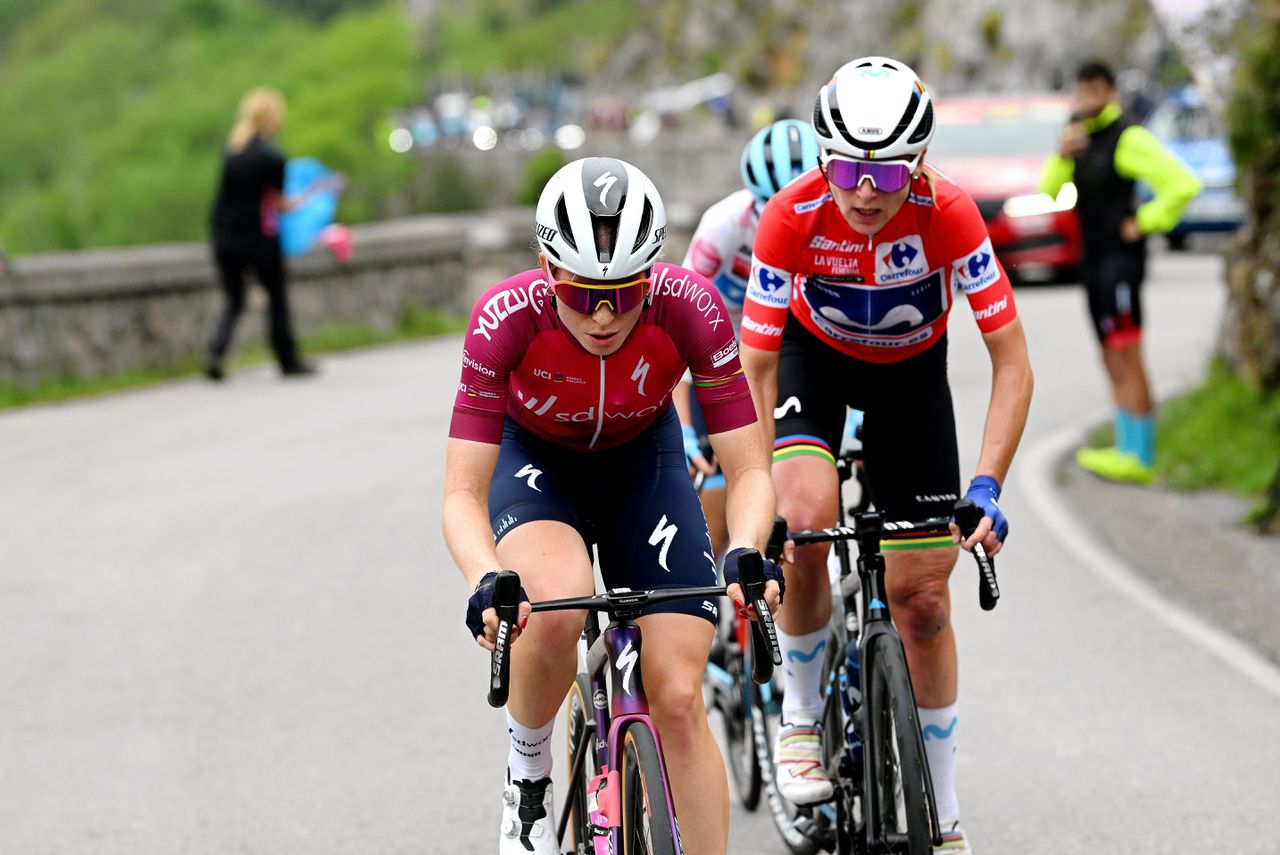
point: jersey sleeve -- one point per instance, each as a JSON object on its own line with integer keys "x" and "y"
{"x": 974, "y": 266}
{"x": 711, "y": 350}
{"x": 707, "y": 255}
{"x": 764, "y": 312}
{"x": 490, "y": 352}
{"x": 1140, "y": 156}
{"x": 1057, "y": 171}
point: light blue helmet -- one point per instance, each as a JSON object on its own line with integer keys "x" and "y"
{"x": 777, "y": 154}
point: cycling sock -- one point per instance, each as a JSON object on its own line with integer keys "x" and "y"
{"x": 1143, "y": 437}
{"x": 940, "y": 728}
{"x": 802, "y": 659}
{"x": 1124, "y": 429}
{"x": 529, "y": 757}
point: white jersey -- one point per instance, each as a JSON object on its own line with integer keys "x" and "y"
{"x": 721, "y": 248}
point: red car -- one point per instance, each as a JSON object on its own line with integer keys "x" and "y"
{"x": 995, "y": 147}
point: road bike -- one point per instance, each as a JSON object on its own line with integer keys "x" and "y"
{"x": 619, "y": 799}
{"x": 873, "y": 749}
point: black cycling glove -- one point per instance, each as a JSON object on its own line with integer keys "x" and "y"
{"x": 729, "y": 569}
{"x": 482, "y": 599}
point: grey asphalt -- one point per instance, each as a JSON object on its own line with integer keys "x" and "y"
{"x": 228, "y": 624}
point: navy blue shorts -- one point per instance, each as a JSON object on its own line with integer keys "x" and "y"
{"x": 635, "y": 502}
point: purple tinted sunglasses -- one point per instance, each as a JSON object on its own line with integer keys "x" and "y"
{"x": 887, "y": 177}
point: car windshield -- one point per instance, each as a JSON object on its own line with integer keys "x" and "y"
{"x": 998, "y": 132}
{"x": 1172, "y": 122}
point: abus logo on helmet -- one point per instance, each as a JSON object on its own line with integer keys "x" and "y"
{"x": 547, "y": 233}
{"x": 870, "y": 132}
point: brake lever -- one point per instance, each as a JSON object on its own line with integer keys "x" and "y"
{"x": 968, "y": 516}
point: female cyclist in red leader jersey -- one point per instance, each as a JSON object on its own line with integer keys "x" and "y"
{"x": 854, "y": 271}
{"x": 563, "y": 434}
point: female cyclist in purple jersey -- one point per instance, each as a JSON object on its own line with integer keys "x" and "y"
{"x": 563, "y": 436}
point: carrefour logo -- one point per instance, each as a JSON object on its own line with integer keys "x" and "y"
{"x": 769, "y": 285}
{"x": 977, "y": 270}
{"x": 901, "y": 260}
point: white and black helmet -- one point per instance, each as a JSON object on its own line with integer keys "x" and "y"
{"x": 602, "y": 218}
{"x": 874, "y": 108}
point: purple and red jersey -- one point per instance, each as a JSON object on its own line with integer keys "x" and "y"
{"x": 518, "y": 360}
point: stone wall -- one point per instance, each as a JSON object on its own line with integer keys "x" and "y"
{"x": 104, "y": 312}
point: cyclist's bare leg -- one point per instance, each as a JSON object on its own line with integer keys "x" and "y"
{"x": 713, "y": 504}
{"x": 920, "y": 602}
{"x": 674, "y": 657}
{"x": 806, "y": 488}
{"x": 553, "y": 563}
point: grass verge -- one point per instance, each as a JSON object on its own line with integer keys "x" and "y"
{"x": 328, "y": 338}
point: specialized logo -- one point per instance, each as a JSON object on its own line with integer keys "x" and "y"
{"x": 664, "y": 534}
{"x": 547, "y": 233}
{"x": 724, "y": 355}
{"x": 710, "y": 607}
{"x": 977, "y": 270}
{"x": 627, "y": 660}
{"x": 901, "y": 260}
{"x": 660, "y": 234}
{"x": 606, "y": 182}
{"x": 640, "y": 374}
{"x": 497, "y": 308}
{"x": 527, "y": 471}
{"x": 781, "y": 412}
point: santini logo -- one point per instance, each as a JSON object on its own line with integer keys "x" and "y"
{"x": 994, "y": 309}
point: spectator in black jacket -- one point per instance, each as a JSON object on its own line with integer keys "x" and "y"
{"x": 245, "y": 228}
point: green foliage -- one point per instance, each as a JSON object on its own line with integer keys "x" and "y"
{"x": 116, "y": 111}
{"x": 1253, "y": 115}
{"x": 538, "y": 169}
{"x": 1224, "y": 434}
{"x": 446, "y": 186}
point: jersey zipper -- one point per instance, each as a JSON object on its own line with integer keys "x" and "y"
{"x": 600, "y": 417}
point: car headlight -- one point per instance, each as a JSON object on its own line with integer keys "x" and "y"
{"x": 1039, "y": 204}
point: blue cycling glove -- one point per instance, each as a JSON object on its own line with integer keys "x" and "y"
{"x": 692, "y": 448}
{"x": 482, "y": 599}
{"x": 984, "y": 491}
{"x": 729, "y": 569}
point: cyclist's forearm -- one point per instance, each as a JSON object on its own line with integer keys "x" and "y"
{"x": 750, "y": 507}
{"x": 1011, "y": 386}
{"x": 469, "y": 536}
{"x": 761, "y": 370}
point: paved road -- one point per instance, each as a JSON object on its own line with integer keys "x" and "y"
{"x": 228, "y": 624}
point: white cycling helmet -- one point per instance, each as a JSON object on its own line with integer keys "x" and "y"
{"x": 874, "y": 108}
{"x": 602, "y": 218}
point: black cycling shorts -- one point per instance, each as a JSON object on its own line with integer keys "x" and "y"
{"x": 1113, "y": 281}
{"x": 634, "y": 501}
{"x": 909, "y": 432}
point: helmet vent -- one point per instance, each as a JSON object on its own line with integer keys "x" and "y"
{"x": 819, "y": 121}
{"x": 646, "y": 220}
{"x": 605, "y": 230}
{"x": 925, "y": 128}
{"x": 562, "y": 220}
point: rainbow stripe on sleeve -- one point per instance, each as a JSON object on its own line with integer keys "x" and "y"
{"x": 703, "y": 382}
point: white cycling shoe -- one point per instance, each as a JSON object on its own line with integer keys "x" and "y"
{"x": 528, "y": 819}
{"x": 797, "y": 758}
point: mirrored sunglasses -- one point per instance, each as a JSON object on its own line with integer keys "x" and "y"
{"x": 885, "y": 177}
{"x": 585, "y": 299}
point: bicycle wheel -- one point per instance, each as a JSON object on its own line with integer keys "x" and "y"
{"x": 737, "y": 706}
{"x": 581, "y": 711}
{"x": 899, "y": 809}
{"x": 648, "y": 827}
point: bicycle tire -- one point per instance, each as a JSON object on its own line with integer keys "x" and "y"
{"x": 737, "y": 707}
{"x": 894, "y": 753}
{"x": 647, "y": 824}
{"x": 580, "y": 711}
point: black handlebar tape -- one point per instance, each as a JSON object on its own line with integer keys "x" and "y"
{"x": 777, "y": 539}
{"x": 506, "y": 600}
{"x": 968, "y": 516}
{"x": 764, "y": 635}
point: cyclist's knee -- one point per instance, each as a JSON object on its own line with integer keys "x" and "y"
{"x": 554, "y": 633}
{"x": 918, "y": 593}
{"x": 679, "y": 712}
{"x": 922, "y": 614}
